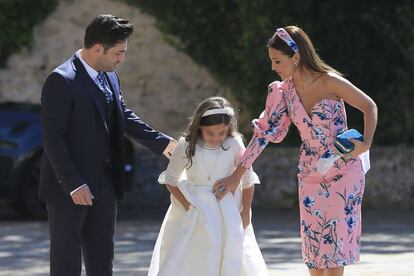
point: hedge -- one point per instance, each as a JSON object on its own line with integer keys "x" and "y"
{"x": 371, "y": 42}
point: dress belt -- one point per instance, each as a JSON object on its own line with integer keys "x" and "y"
{"x": 202, "y": 185}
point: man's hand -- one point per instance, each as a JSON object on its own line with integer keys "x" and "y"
{"x": 169, "y": 149}
{"x": 83, "y": 196}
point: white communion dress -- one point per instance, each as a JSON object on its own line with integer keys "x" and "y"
{"x": 209, "y": 238}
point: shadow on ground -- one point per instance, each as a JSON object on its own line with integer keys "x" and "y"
{"x": 24, "y": 245}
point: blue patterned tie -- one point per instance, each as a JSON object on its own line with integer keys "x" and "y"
{"x": 104, "y": 88}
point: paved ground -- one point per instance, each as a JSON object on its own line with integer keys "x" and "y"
{"x": 388, "y": 245}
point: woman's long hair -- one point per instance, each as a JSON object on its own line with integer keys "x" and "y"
{"x": 193, "y": 131}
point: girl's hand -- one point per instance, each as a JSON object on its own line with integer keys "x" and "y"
{"x": 359, "y": 148}
{"x": 225, "y": 185}
{"x": 186, "y": 205}
{"x": 246, "y": 219}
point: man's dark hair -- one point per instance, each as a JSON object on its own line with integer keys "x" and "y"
{"x": 107, "y": 30}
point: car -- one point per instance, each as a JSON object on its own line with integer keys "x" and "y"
{"x": 21, "y": 150}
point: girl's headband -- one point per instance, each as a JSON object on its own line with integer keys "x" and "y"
{"x": 227, "y": 110}
{"x": 285, "y": 36}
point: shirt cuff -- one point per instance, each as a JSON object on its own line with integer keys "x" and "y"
{"x": 169, "y": 149}
{"x": 71, "y": 193}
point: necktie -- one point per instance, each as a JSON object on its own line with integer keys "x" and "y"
{"x": 104, "y": 88}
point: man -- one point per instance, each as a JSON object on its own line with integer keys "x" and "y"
{"x": 84, "y": 120}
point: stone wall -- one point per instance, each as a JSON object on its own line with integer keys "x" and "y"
{"x": 389, "y": 183}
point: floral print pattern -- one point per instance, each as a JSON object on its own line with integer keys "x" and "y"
{"x": 330, "y": 205}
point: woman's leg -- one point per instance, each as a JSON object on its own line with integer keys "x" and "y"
{"x": 316, "y": 272}
{"x": 337, "y": 271}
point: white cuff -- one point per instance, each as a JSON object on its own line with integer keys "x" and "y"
{"x": 249, "y": 178}
{"x": 71, "y": 193}
{"x": 169, "y": 149}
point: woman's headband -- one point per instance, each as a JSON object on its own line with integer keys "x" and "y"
{"x": 227, "y": 110}
{"x": 285, "y": 36}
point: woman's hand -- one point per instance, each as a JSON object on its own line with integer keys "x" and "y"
{"x": 229, "y": 183}
{"x": 225, "y": 185}
{"x": 246, "y": 219}
{"x": 359, "y": 148}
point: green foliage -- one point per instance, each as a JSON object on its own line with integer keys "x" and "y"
{"x": 371, "y": 42}
{"x": 17, "y": 19}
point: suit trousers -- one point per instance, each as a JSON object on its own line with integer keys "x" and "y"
{"x": 88, "y": 231}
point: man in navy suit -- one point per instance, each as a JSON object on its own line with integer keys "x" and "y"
{"x": 84, "y": 120}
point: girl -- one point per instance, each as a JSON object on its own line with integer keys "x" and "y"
{"x": 200, "y": 235}
{"x": 311, "y": 95}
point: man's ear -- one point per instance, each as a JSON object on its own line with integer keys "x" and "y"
{"x": 98, "y": 48}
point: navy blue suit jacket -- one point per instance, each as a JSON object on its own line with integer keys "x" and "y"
{"x": 77, "y": 143}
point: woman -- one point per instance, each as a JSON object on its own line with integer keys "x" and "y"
{"x": 311, "y": 95}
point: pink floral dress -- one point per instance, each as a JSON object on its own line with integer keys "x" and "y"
{"x": 330, "y": 205}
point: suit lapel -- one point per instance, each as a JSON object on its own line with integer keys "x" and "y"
{"x": 91, "y": 88}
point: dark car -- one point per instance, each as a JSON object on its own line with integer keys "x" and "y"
{"x": 20, "y": 153}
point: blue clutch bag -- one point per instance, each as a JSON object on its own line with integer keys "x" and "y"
{"x": 342, "y": 143}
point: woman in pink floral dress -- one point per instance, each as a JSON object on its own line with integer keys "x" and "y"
{"x": 311, "y": 95}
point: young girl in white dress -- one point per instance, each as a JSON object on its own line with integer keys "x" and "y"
{"x": 200, "y": 235}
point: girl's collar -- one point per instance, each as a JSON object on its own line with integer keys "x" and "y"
{"x": 202, "y": 145}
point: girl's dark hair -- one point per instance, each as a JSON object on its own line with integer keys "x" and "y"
{"x": 309, "y": 59}
{"x": 193, "y": 131}
{"x": 107, "y": 30}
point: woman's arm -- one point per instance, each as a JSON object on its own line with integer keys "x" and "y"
{"x": 353, "y": 96}
{"x": 271, "y": 126}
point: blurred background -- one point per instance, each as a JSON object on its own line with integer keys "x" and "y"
{"x": 181, "y": 52}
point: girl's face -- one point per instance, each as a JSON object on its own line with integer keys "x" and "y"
{"x": 282, "y": 64}
{"x": 214, "y": 136}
